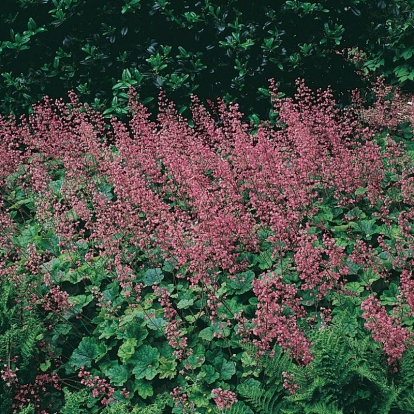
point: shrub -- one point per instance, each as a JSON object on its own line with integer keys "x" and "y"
{"x": 176, "y": 267}
{"x": 210, "y": 48}
{"x": 392, "y": 54}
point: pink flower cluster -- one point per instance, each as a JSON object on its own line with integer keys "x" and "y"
{"x": 320, "y": 275}
{"x": 289, "y": 382}
{"x": 386, "y": 330}
{"x": 173, "y": 332}
{"x": 223, "y": 398}
{"x": 199, "y": 197}
{"x": 407, "y": 289}
{"x": 180, "y": 399}
{"x": 57, "y": 300}
{"x": 32, "y": 392}
{"x": 100, "y": 386}
{"x": 9, "y": 375}
{"x": 271, "y": 322}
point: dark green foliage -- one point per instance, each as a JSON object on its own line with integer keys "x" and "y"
{"x": 266, "y": 396}
{"x": 80, "y": 402}
{"x": 347, "y": 375}
{"x": 231, "y": 49}
{"x": 393, "y": 53}
{"x": 405, "y": 383}
{"x": 20, "y": 332}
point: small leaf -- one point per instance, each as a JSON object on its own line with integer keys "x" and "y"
{"x": 389, "y": 297}
{"x": 109, "y": 330}
{"x": 45, "y": 366}
{"x": 354, "y": 287}
{"x": 242, "y": 282}
{"x": 360, "y": 190}
{"x": 226, "y": 368}
{"x": 210, "y": 374}
{"x": 156, "y": 324}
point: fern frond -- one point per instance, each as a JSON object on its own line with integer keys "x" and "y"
{"x": 267, "y": 396}
{"x": 405, "y": 380}
{"x": 346, "y": 375}
{"x": 239, "y": 408}
{"x": 29, "y": 409}
{"x": 323, "y": 408}
{"x": 28, "y": 338}
{"x": 75, "y": 402}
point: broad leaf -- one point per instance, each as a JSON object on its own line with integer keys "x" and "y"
{"x": 153, "y": 276}
{"x": 225, "y": 368}
{"x": 144, "y": 389}
{"x": 167, "y": 368}
{"x": 242, "y": 282}
{"x": 146, "y": 362}
{"x": 206, "y": 334}
{"x": 209, "y": 374}
{"x": 156, "y": 324}
{"x": 127, "y": 349}
{"x": 185, "y": 303}
{"x": 117, "y": 374}
{"x": 87, "y": 351}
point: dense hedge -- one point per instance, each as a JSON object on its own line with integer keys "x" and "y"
{"x": 100, "y": 48}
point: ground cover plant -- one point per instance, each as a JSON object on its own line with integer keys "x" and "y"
{"x": 207, "y": 265}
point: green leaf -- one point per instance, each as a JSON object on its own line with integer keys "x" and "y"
{"x": 354, "y": 287}
{"x": 207, "y": 334}
{"x": 242, "y": 282}
{"x": 185, "y": 303}
{"x": 156, "y": 324}
{"x": 107, "y": 329}
{"x": 79, "y": 302}
{"x": 360, "y": 190}
{"x": 209, "y": 374}
{"x": 349, "y": 325}
{"x": 389, "y": 297}
{"x": 106, "y": 189}
{"x": 168, "y": 267}
{"x": 225, "y": 368}
{"x": 134, "y": 330}
{"x": 153, "y": 276}
{"x": 118, "y": 374}
{"x": 167, "y": 368}
{"x": 369, "y": 277}
{"x": 194, "y": 361}
{"x": 143, "y": 388}
{"x": 45, "y": 366}
{"x": 88, "y": 350}
{"x": 368, "y": 227}
{"x": 146, "y": 362}
{"x": 220, "y": 331}
{"x": 264, "y": 260}
{"x": 127, "y": 349}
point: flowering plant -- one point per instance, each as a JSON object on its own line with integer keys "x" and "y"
{"x": 175, "y": 265}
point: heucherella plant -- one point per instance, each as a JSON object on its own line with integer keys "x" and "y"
{"x": 206, "y": 265}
